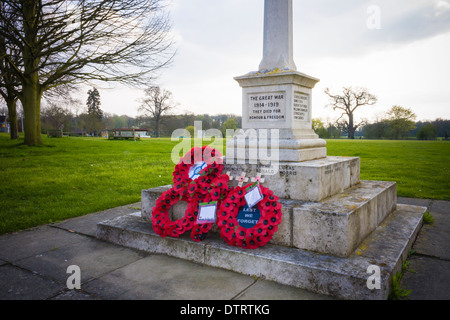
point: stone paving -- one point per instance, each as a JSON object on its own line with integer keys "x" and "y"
{"x": 33, "y": 266}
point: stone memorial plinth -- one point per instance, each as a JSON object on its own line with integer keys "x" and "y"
{"x": 334, "y": 225}
{"x": 342, "y": 274}
{"x": 281, "y": 101}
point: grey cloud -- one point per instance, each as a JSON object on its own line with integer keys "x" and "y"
{"x": 332, "y": 29}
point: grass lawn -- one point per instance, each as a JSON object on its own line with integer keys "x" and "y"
{"x": 420, "y": 168}
{"x": 74, "y": 176}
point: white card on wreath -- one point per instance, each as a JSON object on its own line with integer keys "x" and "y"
{"x": 207, "y": 213}
{"x": 253, "y": 195}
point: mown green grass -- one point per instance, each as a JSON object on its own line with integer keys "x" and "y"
{"x": 74, "y": 176}
{"x": 420, "y": 168}
{"x": 70, "y": 177}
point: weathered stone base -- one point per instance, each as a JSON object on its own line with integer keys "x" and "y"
{"x": 336, "y": 225}
{"x": 312, "y": 180}
{"x": 341, "y": 277}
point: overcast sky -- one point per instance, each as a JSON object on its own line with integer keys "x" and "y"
{"x": 406, "y": 61}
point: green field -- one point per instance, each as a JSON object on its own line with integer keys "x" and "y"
{"x": 70, "y": 177}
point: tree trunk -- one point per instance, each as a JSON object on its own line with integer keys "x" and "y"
{"x": 31, "y": 101}
{"x": 351, "y": 129}
{"x": 12, "y": 116}
{"x": 31, "y": 88}
{"x": 157, "y": 121}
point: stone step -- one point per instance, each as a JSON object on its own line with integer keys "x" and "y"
{"x": 343, "y": 277}
{"x": 336, "y": 225}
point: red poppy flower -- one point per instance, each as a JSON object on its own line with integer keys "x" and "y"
{"x": 215, "y": 193}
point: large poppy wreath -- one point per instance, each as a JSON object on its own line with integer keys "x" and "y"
{"x": 248, "y": 238}
{"x": 205, "y": 163}
{"x": 194, "y": 183}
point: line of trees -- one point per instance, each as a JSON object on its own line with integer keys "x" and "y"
{"x": 422, "y": 130}
{"x": 398, "y": 123}
{"x": 56, "y": 117}
{"x": 73, "y": 117}
{"x": 388, "y": 129}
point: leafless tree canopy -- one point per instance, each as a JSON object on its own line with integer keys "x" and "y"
{"x": 48, "y": 43}
{"x": 78, "y": 40}
{"x": 156, "y": 103}
{"x": 348, "y": 101}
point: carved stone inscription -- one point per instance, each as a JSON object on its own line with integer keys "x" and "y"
{"x": 267, "y": 107}
{"x": 301, "y": 107}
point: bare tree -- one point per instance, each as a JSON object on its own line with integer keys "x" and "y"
{"x": 347, "y": 102}
{"x": 56, "y": 116}
{"x": 156, "y": 103}
{"x": 76, "y": 41}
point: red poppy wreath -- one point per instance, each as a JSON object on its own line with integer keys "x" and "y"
{"x": 162, "y": 224}
{"x": 260, "y": 233}
{"x": 205, "y": 163}
{"x": 193, "y": 183}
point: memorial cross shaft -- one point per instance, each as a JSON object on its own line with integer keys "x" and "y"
{"x": 277, "y": 96}
{"x": 278, "y": 36}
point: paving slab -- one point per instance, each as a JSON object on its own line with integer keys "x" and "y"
{"x": 430, "y": 279}
{"x": 29, "y": 243}
{"x": 75, "y": 295}
{"x": 434, "y": 238}
{"x": 440, "y": 206}
{"x": 19, "y": 284}
{"x": 269, "y": 290}
{"x": 94, "y": 258}
{"x": 414, "y": 201}
{"x": 167, "y": 278}
{"x": 88, "y": 224}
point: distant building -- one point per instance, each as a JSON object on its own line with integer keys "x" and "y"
{"x": 4, "y": 124}
{"x": 127, "y": 133}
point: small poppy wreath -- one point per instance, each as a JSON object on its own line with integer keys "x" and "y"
{"x": 204, "y": 163}
{"x": 161, "y": 222}
{"x": 164, "y": 226}
{"x": 260, "y": 234}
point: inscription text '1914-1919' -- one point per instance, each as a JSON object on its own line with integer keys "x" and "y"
{"x": 267, "y": 107}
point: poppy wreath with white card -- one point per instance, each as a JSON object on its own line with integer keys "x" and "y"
{"x": 196, "y": 170}
{"x": 260, "y": 230}
{"x": 194, "y": 184}
{"x": 165, "y": 227}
